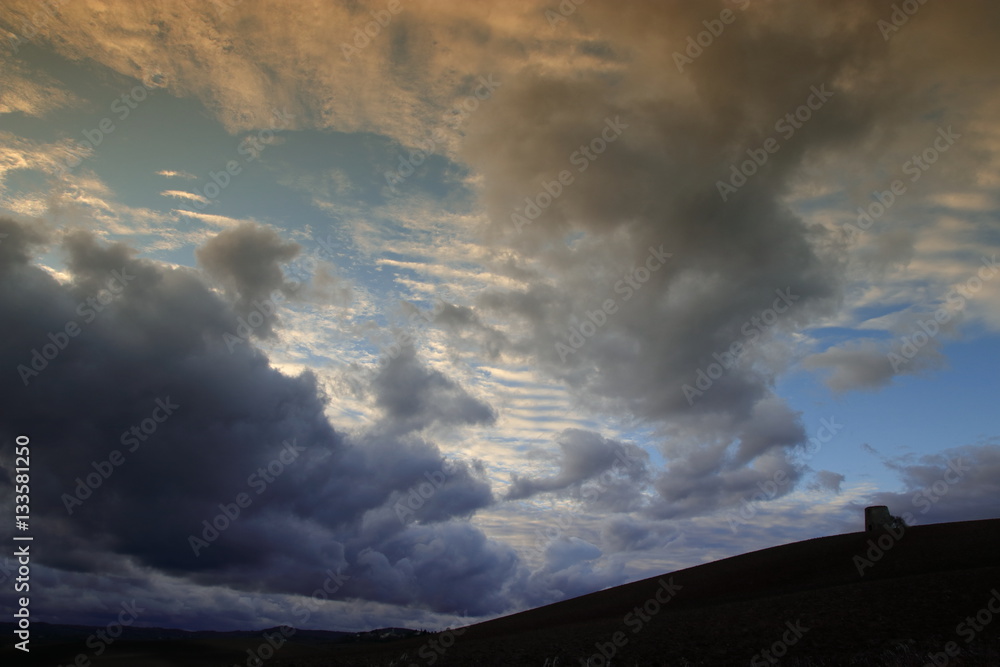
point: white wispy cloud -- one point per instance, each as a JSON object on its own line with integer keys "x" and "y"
{"x": 169, "y": 173}
{"x": 182, "y": 194}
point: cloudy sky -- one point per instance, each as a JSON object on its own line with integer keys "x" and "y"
{"x": 470, "y": 307}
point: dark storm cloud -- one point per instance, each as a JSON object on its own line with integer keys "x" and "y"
{"x": 147, "y": 403}
{"x": 169, "y": 602}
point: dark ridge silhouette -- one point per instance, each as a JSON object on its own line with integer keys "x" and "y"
{"x": 883, "y": 597}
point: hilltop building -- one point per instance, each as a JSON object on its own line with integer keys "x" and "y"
{"x": 877, "y": 517}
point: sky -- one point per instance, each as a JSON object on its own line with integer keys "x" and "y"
{"x": 349, "y": 315}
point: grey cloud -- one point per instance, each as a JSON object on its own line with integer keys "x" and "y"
{"x": 861, "y": 364}
{"x": 247, "y": 261}
{"x": 572, "y": 567}
{"x": 565, "y": 552}
{"x": 414, "y": 397}
{"x": 827, "y": 480}
{"x": 623, "y": 533}
{"x": 703, "y": 483}
{"x": 773, "y": 425}
{"x": 872, "y": 364}
{"x": 17, "y": 243}
{"x": 708, "y": 462}
{"x": 583, "y": 456}
{"x": 957, "y": 484}
{"x": 656, "y": 185}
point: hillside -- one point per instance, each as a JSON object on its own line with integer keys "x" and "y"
{"x": 805, "y": 602}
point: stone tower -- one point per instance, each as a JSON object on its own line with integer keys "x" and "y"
{"x": 876, "y": 517}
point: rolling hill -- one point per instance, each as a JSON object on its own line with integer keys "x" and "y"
{"x": 929, "y": 595}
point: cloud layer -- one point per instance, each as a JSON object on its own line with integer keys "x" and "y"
{"x": 662, "y": 221}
